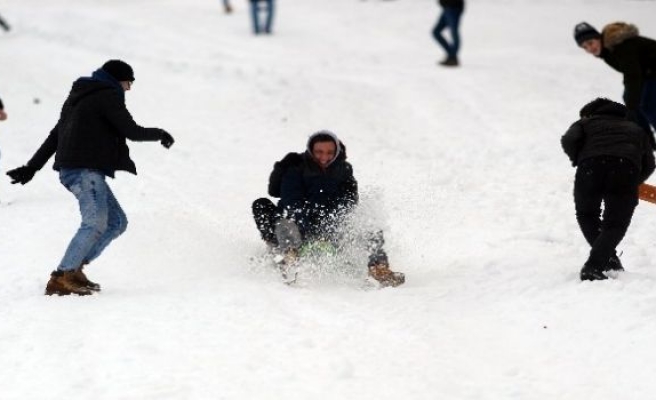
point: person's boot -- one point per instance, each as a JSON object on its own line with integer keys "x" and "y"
{"x": 81, "y": 279}
{"x": 592, "y": 273}
{"x": 614, "y": 264}
{"x": 63, "y": 283}
{"x": 385, "y": 276}
{"x": 450, "y": 62}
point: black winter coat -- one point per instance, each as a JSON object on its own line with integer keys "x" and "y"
{"x": 609, "y": 133}
{"x": 632, "y": 55}
{"x": 92, "y": 129}
{"x": 309, "y": 194}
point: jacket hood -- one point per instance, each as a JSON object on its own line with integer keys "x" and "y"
{"x": 617, "y": 32}
{"x": 323, "y": 134}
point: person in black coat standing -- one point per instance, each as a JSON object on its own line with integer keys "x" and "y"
{"x": 613, "y": 157}
{"x": 317, "y": 191}
{"x": 449, "y": 18}
{"x": 623, "y": 49}
{"x": 90, "y": 143}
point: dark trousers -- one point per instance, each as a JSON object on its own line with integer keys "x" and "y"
{"x": 255, "y": 17}
{"x": 450, "y": 18}
{"x": 266, "y": 215}
{"x": 613, "y": 181}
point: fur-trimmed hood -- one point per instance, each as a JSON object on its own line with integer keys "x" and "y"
{"x": 617, "y": 32}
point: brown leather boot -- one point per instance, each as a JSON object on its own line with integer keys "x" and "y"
{"x": 82, "y": 280}
{"x": 63, "y": 283}
{"x": 385, "y": 276}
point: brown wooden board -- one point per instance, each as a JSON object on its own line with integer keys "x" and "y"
{"x": 647, "y": 192}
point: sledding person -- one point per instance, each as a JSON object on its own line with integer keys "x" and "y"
{"x": 622, "y": 48}
{"x": 317, "y": 190}
{"x": 613, "y": 156}
{"x": 90, "y": 144}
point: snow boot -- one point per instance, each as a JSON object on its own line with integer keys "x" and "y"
{"x": 450, "y": 62}
{"x": 614, "y": 264}
{"x": 592, "y": 273}
{"x": 385, "y": 276}
{"x": 81, "y": 279}
{"x": 63, "y": 283}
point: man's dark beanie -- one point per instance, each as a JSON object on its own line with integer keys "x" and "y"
{"x": 584, "y": 31}
{"x": 120, "y": 70}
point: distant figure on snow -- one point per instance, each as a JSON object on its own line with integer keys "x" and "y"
{"x": 3, "y": 114}
{"x": 227, "y": 8}
{"x": 450, "y": 18}
{"x": 4, "y": 24}
{"x": 317, "y": 191}
{"x": 90, "y": 144}
{"x": 622, "y": 48}
{"x": 613, "y": 157}
{"x": 268, "y": 8}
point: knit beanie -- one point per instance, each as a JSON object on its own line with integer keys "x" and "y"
{"x": 584, "y": 31}
{"x": 120, "y": 70}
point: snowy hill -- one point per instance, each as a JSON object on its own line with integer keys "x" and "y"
{"x": 465, "y": 165}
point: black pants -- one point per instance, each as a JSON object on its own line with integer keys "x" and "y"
{"x": 614, "y": 181}
{"x": 266, "y": 215}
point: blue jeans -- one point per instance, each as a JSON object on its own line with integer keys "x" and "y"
{"x": 450, "y": 18}
{"x": 103, "y": 220}
{"x": 255, "y": 11}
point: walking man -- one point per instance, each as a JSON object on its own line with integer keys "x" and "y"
{"x": 90, "y": 144}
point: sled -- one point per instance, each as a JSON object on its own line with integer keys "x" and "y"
{"x": 647, "y": 192}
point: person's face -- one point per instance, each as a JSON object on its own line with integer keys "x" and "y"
{"x": 324, "y": 152}
{"x": 592, "y": 46}
{"x": 126, "y": 85}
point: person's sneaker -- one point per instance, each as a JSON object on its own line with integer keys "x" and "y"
{"x": 450, "y": 62}
{"x": 385, "y": 276}
{"x": 63, "y": 283}
{"x": 81, "y": 279}
{"x": 614, "y": 264}
{"x": 591, "y": 273}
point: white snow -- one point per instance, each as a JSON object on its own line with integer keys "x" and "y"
{"x": 465, "y": 164}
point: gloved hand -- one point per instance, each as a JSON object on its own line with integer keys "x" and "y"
{"x": 22, "y": 174}
{"x": 166, "y": 140}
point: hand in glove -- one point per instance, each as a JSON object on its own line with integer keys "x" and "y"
{"x": 22, "y": 174}
{"x": 166, "y": 140}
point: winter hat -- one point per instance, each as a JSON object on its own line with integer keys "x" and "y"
{"x": 584, "y": 31}
{"x": 120, "y": 70}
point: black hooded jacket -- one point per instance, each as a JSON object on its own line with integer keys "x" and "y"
{"x": 93, "y": 129}
{"x": 311, "y": 194}
{"x": 632, "y": 55}
{"x": 607, "y": 132}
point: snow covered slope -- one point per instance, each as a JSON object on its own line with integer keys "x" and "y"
{"x": 465, "y": 165}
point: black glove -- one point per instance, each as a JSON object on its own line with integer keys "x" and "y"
{"x": 22, "y": 174}
{"x": 166, "y": 140}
